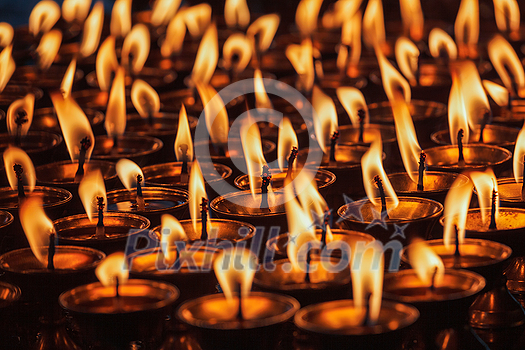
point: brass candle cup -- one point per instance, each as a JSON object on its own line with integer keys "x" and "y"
{"x": 48, "y": 79}
{"x": 106, "y": 322}
{"x": 9, "y": 297}
{"x": 42, "y": 147}
{"x": 509, "y": 192}
{"x": 156, "y": 77}
{"x": 14, "y": 92}
{"x": 78, "y": 230}
{"x": 509, "y": 117}
{"x": 492, "y": 135}
{"x": 138, "y": 148}
{"x": 45, "y": 119}
{"x": 329, "y": 82}
{"x": 318, "y": 321}
{"x": 214, "y": 319}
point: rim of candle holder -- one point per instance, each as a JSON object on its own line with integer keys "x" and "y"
{"x": 95, "y": 98}
{"x": 507, "y": 155}
{"x": 442, "y": 137}
{"x": 45, "y": 141}
{"x": 156, "y": 77}
{"x": 392, "y": 177}
{"x": 439, "y": 109}
{"x": 291, "y": 305}
{"x": 388, "y": 133}
{"x": 490, "y": 232}
{"x": 511, "y": 182}
{"x": 162, "y": 193}
{"x": 62, "y": 195}
{"x": 94, "y": 116}
{"x": 9, "y": 293}
{"x": 148, "y": 288}
{"x": 150, "y": 173}
{"x": 359, "y": 150}
{"x": 32, "y": 74}
{"x": 43, "y": 172}
{"x": 503, "y": 116}
{"x": 242, "y": 182}
{"x": 472, "y": 284}
{"x": 427, "y": 67}
{"x": 167, "y": 121}
{"x": 407, "y": 314}
{"x": 6, "y": 218}
{"x": 225, "y": 198}
{"x": 17, "y": 91}
{"x": 153, "y": 143}
{"x": 267, "y": 146}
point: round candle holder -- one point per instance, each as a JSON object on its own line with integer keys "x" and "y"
{"x": 217, "y": 326}
{"x": 48, "y": 79}
{"x": 96, "y": 99}
{"x": 330, "y": 81}
{"x": 78, "y": 230}
{"x": 492, "y": 135}
{"x": 155, "y": 77}
{"x": 140, "y": 149}
{"x": 54, "y": 200}
{"x": 14, "y": 92}
{"x": 107, "y": 322}
{"x": 330, "y": 325}
{"x": 45, "y": 119}
{"x": 9, "y": 297}
{"x": 509, "y": 193}
{"x": 39, "y": 145}
{"x": 512, "y": 117}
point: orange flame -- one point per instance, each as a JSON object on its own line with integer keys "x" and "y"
{"x": 183, "y": 137}
{"x": 428, "y": 265}
{"x": 6, "y": 34}
{"x": 342, "y": 11}
{"x": 75, "y": 10}
{"x": 413, "y": 21}
{"x": 175, "y": 34}
{"x": 136, "y": 44}
{"x": 485, "y": 182}
{"x": 261, "y": 97}
{"x": 120, "y": 24}
{"x": 233, "y": 267}
{"x": 351, "y": 41}
{"x": 264, "y": 28}
{"x": 214, "y": 107}
{"x": 236, "y": 13}
{"x": 113, "y": 268}
{"x": 24, "y": 105}
{"x": 306, "y": 16}
{"x": 353, "y": 100}
{"x": 207, "y": 56}
{"x": 15, "y": 155}
{"x": 43, "y": 17}
{"x": 393, "y": 82}
{"x": 172, "y": 231}
{"x": 92, "y": 30}
{"x": 48, "y": 48}
{"x": 7, "y": 66}
{"x": 197, "y": 192}
{"x": 407, "y": 56}
{"x": 198, "y": 19}
{"x": 74, "y": 124}
{"x": 115, "y": 122}
{"x": 145, "y": 99}
{"x": 286, "y": 140}
{"x": 37, "y": 226}
{"x": 311, "y": 199}
{"x": 301, "y": 58}
{"x": 163, "y": 11}
{"x": 69, "y": 78}
{"x": 507, "y": 14}
{"x": 455, "y": 213}
{"x": 372, "y": 166}
{"x": 238, "y": 45}
{"x": 374, "y": 25}
{"x": 519, "y": 153}
{"x": 439, "y": 40}
{"x": 92, "y": 186}
{"x": 503, "y": 57}
{"x": 325, "y": 118}
{"x": 457, "y": 115}
{"x": 466, "y": 28}
{"x": 127, "y": 171}
{"x": 498, "y": 93}
{"x": 106, "y": 63}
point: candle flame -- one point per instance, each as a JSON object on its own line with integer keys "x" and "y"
{"x": 145, "y": 99}
{"x": 519, "y": 153}
{"x": 115, "y": 122}
{"x": 342, "y": 11}
{"x": 457, "y": 114}
{"x": 21, "y": 108}
{"x": 505, "y": 61}
{"x": 353, "y": 100}
{"x": 207, "y": 56}
{"x": 113, "y": 267}
{"x": 393, "y": 82}
{"x": 69, "y": 78}
{"x": 7, "y": 66}
{"x": 309, "y": 196}
{"x": 37, "y": 226}
{"x": 6, "y": 34}
{"x": 48, "y": 47}
{"x": 120, "y": 24}
{"x": 92, "y": 30}
{"x": 163, "y": 11}
{"x": 413, "y": 21}
{"x": 428, "y": 265}
{"x": 175, "y": 34}
{"x": 198, "y": 19}
{"x": 183, "y": 137}
{"x": 137, "y": 45}
{"x": 215, "y": 114}
{"x": 43, "y": 17}
{"x": 234, "y": 267}
{"x": 374, "y": 25}
{"x": 455, "y": 214}
{"x": 236, "y": 52}
{"x": 106, "y": 63}
{"x": 485, "y": 182}
{"x": 236, "y": 13}
{"x": 127, "y": 171}
{"x": 325, "y": 118}
{"x": 301, "y": 58}
{"x": 14, "y": 155}
{"x": 261, "y": 97}
{"x": 407, "y": 56}
{"x": 498, "y": 93}
{"x": 75, "y": 10}
{"x": 286, "y": 140}
{"x": 351, "y": 45}
{"x": 74, "y": 124}
{"x": 197, "y": 192}
{"x": 306, "y": 16}
{"x": 466, "y": 28}
{"x": 507, "y": 14}
{"x": 92, "y": 186}
{"x": 439, "y": 40}
{"x": 172, "y": 231}
{"x": 264, "y": 28}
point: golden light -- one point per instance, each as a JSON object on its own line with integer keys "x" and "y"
{"x": 207, "y": 57}
{"x": 43, "y": 17}
{"x": 505, "y": 61}
{"x": 90, "y": 187}
{"x": 428, "y": 265}
{"x": 197, "y": 191}
{"x": 75, "y": 10}
{"x": 136, "y": 45}
{"x": 115, "y": 121}
{"x": 198, "y": 19}
{"x": 22, "y": 107}
{"x": 183, "y": 137}
{"x": 69, "y": 78}
{"x": 439, "y": 41}
{"x": 175, "y": 34}
{"x": 349, "y": 52}
{"x": 393, "y": 82}
{"x": 457, "y": 114}
{"x": 219, "y": 127}
{"x": 455, "y": 214}
{"x": 519, "y": 153}
{"x": 374, "y": 25}
{"x": 342, "y": 11}
{"x": 485, "y": 182}
{"x": 367, "y": 279}
{"x": 106, "y": 63}
{"x": 306, "y": 16}
{"x": 172, "y": 231}
{"x": 466, "y": 28}
{"x": 325, "y": 118}
{"x": 163, "y": 11}
{"x": 74, "y": 124}
{"x": 353, "y": 100}
{"x": 7, "y": 66}
{"x": 37, "y": 226}
{"x": 311, "y": 200}
{"x": 507, "y": 14}
{"x": 413, "y": 21}
{"x": 261, "y": 97}
{"x": 92, "y": 30}
{"x": 6, "y": 34}
{"x": 498, "y": 93}
{"x": 301, "y": 58}
{"x": 144, "y": 98}
{"x": 286, "y": 140}
{"x": 264, "y": 28}
{"x": 127, "y": 171}
{"x": 113, "y": 268}
{"x": 235, "y": 267}
{"x": 407, "y": 57}
{"x": 120, "y": 24}
{"x": 48, "y": 48}
{"x": 372, "y": 166}
{"x": 236, "y": 13}
{"x": 236, "y": 52}
{"x": 14, "y": 155}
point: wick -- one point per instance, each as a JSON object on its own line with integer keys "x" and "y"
{"x": 100, "y": 230}
{"x": 51, "y": 252}
{"x": 85, "y": 143}
{"x": 324, "y": 227}
{"x": 523, "y": 182}
{"x": 19, "y": 170}
{"x": 492, "y": 225}
{"x": 361, "y": 114}
{"x": 308, "y": 261}
{"x": 417, "y": 73}
{"x": 422, "y": 157}
{"x": 433, "y": 285}
{"x": 509, "y": 104}
{"x": 484, "y": 122}
{"x": 461, "y": 159}
{"x": 204, "y": 218}
{"x": 240, "y": 316}
{"x": 148, "y": 106}
{"x": 366, "y": 321}
{"x": 291, "y": 159}
{"x": 379, "y": 184}
{"x": 184, "y": 169}
{"x": 141, "y": 205}
{"x": 457, "y": 254}
{"x": 20, "y": 119}
{"x": 333, "y": 142}
{"x": 266, "y": 178}
{"x": 117, "y": 294}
